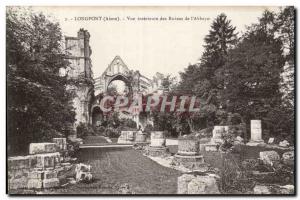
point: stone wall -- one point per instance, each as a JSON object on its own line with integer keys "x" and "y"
{"x": 41, "y": 168}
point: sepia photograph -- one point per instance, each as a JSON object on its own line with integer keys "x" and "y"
{"x": 150, "y": 100}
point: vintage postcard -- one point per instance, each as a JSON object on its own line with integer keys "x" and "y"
{"x": 155, "y": 100}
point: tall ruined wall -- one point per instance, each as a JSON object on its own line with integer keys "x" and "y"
{"x": 80, "y": 70}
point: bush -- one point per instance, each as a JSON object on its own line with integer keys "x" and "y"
{"x": 234, "y": 119}
{"x": 128, "y": 123}
{"x": 126, "y": 128}
{"x": 148, "y": 128}
{"x": 84, "y": 130}
{"x": 167, "y": 134}
{"x": 204, "y": 133}
{"x": 112, "y": 132}
{"x": 237, "y": 130}
{"x": 234, "y": 180}
{"x": 99, "y": 130}
{"x": 38, "y": 103}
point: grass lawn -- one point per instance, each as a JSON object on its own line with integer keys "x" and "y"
{"x": 114, "y": 167}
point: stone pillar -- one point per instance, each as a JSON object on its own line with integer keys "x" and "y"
{"x": 158, "y": 139}
{"x": 126, "y": 137}
{"x": 137, "y": 120}
{"x": 188, "y": 147}
{"x": 256, "y": 133}
{"x": 217, "y": 138}
{"x": 140, "y": 137}
{"x": 158, "y": 144}
{"x": 218, "y": 132}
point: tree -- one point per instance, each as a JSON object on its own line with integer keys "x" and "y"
{"x": 38, "y": 104}
{"x": 208, "y": 74}
{"x": 221, "y": 38}
{"x": 285, "y": 24}
{"x": 254, "y": 70}
{"x": 206, "y": 79}
{"x": 168, "y": 83}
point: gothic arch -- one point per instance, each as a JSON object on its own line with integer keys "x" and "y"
{"x": 119, "y": 77}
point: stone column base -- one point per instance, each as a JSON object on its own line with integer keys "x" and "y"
{"x": 124, "y": 141}
{"x": 255, "y": 143}
{"x": 155, "y": 151}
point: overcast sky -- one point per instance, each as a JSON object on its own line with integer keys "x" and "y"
{"x": 148, "y": 46}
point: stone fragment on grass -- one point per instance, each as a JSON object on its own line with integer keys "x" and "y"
{"x": 261, "y": 189}
{"x": 284, "y": 143}
{"x": 83, "y": 176}
{"x": 250, "y": 164}
{"x": 125, "y": 189}
{"x": 287, "y": 189}
{"x": 269, "y": 157}
{"x": 83, "y": 172}
{"x": 271, "y": 140}
{"x": 182, "y": 183}
{"x": 83, "y": 167}
{"x": 191, "y": 184}
{"x": 71, "y": 180}
{"x": 203, "y": 185}
{"x": 238, "y": 140}
{"x": 288, "y": 158}
{"x": 273, "y": 189}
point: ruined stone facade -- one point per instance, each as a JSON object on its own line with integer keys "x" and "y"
{"x": 118, "y": 70}
{"x": 80, "y": 70}
{"x": 87, "y": 90}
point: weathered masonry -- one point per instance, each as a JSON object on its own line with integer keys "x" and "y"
{"x": 80, "y": 70}
{"x": 89, "y": 91}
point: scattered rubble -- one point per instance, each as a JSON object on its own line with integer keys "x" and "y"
{"x": 83, "y": 173}
{"x": 268, "y": 157}
{"x": 196, "y": 184}
{"x": 238, "y": 140}
{"x": 125, "y": 189}
{"x": 284, "y": 143}
{"x": 288, "y": 158}
{"x": 273, "y": 189}
{"x": 46, "y": 166}
{"x": 261, "y": 189}
{"x": 271, "y": 140}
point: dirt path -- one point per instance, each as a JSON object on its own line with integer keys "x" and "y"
{"x": 112, "y": 167}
